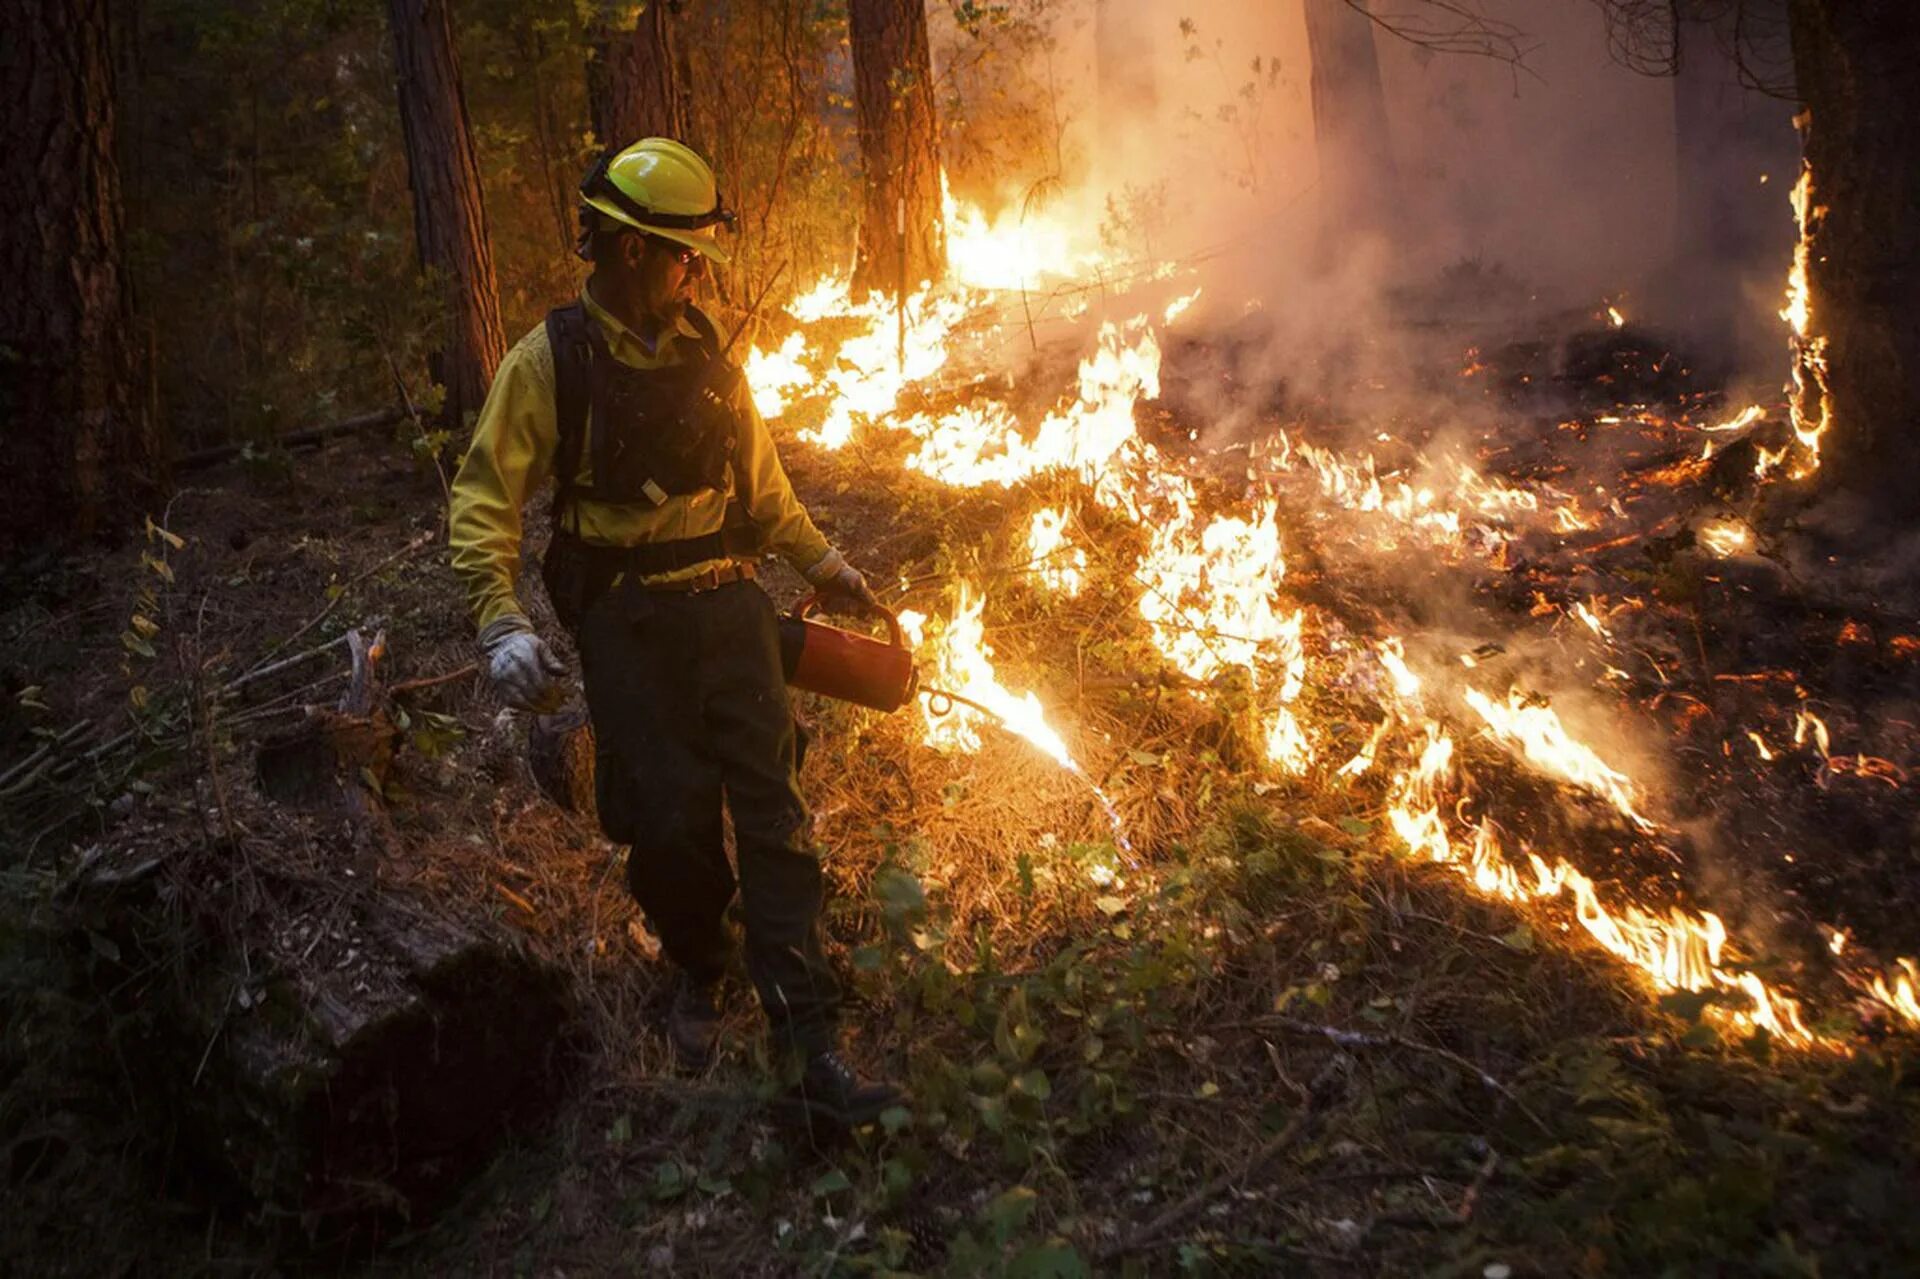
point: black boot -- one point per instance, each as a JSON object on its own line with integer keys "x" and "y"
{"x": 693, "y": 1022}
{"x": 832, "y": 1091}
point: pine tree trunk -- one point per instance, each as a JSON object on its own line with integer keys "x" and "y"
{"x": 902, "y": 231}
{"x": 1123, "y": 60}
{"x": 1359, "y": 184}
{"x": 449, "y": 212}
{"x": 1732, "y": 235}
{"x": 1856, "y": 68}
{"x": 81, "y": 447}
{"x": 634, "y": 88}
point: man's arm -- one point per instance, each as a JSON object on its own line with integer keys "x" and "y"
{"x": 771, "y": 502}
{"x": 509, "y": 459}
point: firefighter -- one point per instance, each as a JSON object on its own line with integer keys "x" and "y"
{"x": 666, "y": 483}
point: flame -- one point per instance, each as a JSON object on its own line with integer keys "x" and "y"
{"x": 1811, "y": 404}
{"x": 982, "y": 444}
{"x": 1060, "y": 566}
{"x": 1178, "y": 307}
{"x": 1212, "y": 582}
{"x": 1726, "y": 537}
{"x": 1675, "y": 951}
{"x": 1028, "y": 242}
{"x": 1808, "y": 725}
{"x": 1537, "y": 731}
{"x": 1614, "y": 317}
{"x": 962, "y": 663}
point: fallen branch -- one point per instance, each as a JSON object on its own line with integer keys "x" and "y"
{"x": 311, "y": 436}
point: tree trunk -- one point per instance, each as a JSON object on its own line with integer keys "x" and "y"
{"x": 902, "y": 232}
{"x": 1123, "y": 50}
{"x": 1857, "y": 76}
{"x": 634, "y": 87}
{"x": 81, "y": 445}
{"x": 449, "y": 211}
{"x": 1359, "y": 184}
{"x": 1731, "y": 233}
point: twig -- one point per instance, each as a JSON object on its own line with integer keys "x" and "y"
{"x": 1368, "y": 1039}
{"x": 433, "y": 681}
{"x": 409, "y": 549}
{"x": 1158, "y": 1228}
{"x": 285, "y": 663}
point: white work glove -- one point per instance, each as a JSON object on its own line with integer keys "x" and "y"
{"x": 525, "y": 672}
{"x": 840, "y": 582}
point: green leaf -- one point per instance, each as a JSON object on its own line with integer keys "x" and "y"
{"x": 1054, "y": 1259}
{"x": 1356, "y": 827}
{"x": 830, "y": 1182}
{"x": 1520, "y": 939}
{"x": 1034, "y": 1084}
{"x": 1207, "y": 1090}
{"x": 620, "y": 1131}
{"x": 895, "y": 1118}
{"x": 902, "y": 900}
{"x": 1111, "y": 905}
{"x": 669, "y": 1180}
{"x": 1008, "y": 1212}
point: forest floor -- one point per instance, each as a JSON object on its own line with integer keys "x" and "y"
{"x": 1262, "y": 1039}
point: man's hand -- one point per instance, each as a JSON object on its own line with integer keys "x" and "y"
{"x": 525, "y": 672}
{"x": 849, "y": 585}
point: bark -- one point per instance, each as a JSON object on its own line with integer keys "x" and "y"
{"x": 449, "y": 211}
{"x": 902, "y": 231}
{"x": 1855, "y": 66}
{"x": 634, "y": 86}
{"x": 79, "y": 437}
{"x": 1731, "y": 233}
{"x": 1359, "y": 184}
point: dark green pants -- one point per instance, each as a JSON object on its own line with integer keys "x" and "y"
{"x": 689, "y": 708}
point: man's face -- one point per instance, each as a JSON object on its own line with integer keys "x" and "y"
{"x": 668, "y": 274}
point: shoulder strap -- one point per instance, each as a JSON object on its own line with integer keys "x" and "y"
{"x": 709, "y": 335}
{"x": 568, "y": 339}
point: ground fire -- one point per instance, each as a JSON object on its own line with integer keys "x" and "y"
{"x": 1026, "y": 639}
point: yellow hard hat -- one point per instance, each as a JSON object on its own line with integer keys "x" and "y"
{"x": 664, "y": 188}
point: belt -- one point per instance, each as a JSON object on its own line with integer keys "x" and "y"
{"x": 717, "y": 576}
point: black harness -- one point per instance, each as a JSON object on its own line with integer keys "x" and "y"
{"x": 653, "y": 434}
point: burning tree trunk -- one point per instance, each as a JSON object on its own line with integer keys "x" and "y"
{"x": 449, "y": 212}
{"x": 1729, "y": 229}
{"x": 1359, "y": 183}
{"x": 1861, "y": 252}
{"x": 634, "y": 86}
{"x": 81, "y": 443}
{"x": 902, "y": 232}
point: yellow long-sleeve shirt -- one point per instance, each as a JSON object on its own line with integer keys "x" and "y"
{"x": 512, "y": 455}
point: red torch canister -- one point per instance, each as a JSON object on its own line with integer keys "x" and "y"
{"x": 846, "y": 664}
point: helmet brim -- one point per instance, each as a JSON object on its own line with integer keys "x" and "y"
{"x": 706, "y": 240}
